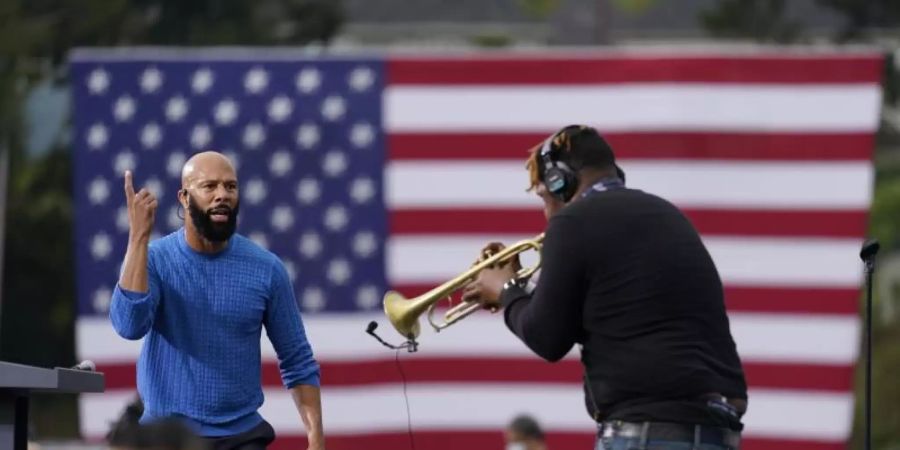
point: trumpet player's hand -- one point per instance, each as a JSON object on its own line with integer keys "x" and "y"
{"x": 487, "y": 286}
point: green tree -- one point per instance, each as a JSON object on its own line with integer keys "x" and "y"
{"x": 759, "y": 20}
{"x": 863, "y": 15}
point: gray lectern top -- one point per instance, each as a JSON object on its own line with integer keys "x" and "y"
{"x": 59, "y": 380}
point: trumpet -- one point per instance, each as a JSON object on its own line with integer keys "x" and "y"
{"x": 404, "y": 313}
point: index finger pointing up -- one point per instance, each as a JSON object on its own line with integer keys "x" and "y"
{"x": 129, "y": 188}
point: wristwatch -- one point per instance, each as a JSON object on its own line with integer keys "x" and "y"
{"x": 512, "y": 282}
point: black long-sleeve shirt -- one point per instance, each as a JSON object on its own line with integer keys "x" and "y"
{"x": 625, "y": 274}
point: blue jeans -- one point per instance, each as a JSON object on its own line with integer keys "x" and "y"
{"x": 622, "y": 443}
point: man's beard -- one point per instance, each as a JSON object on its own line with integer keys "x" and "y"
{"x": 213, "y": 231}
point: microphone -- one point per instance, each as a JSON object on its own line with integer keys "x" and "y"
{"x": 410, "y": 345}
{"x": 867, "y": 253}
{"x": 86, "y": 365}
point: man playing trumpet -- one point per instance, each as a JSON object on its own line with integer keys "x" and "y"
{"x": 624, "y": 275}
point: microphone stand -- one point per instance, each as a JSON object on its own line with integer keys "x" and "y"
{"x": 867, "y": 254}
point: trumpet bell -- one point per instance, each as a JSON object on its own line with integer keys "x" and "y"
{"x": 399, "y": 311}
{"x": 404, "y": 314}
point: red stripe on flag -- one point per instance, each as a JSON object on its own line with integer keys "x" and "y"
{"x": 645, "y": 145}
{"x": 814, "y": 223}
{"x": 507, "y": 370}
{"x": 590, "y": 69}
{"x": 742, "y": 298}
{"x": 469, "y": 439}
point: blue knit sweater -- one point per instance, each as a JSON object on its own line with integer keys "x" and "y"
{"x": 202, "y": 319}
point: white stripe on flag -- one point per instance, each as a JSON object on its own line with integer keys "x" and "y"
{"x": 798, "y": 339}
{"x": 747, "y": 184}
{"x": 756, "y": 261}
{"x": 489, "y": 406}
{"x": 650, "y": 106}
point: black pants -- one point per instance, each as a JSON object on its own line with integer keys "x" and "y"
{"x": 257, "y": 438}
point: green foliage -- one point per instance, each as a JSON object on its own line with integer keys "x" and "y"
{"x": 540, "y": 9}
{"x": 634, "y": 6}
{"x": 759, "y": 20}
{"x": 861, "y": 15}
{"x": 38, "y": 278}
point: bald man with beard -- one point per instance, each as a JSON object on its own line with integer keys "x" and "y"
{"x": 200, "y": 297}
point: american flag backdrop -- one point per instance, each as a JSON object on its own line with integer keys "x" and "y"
{"x": 371, "y": 172}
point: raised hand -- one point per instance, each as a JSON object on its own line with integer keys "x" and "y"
{"x": 141, "y": 209}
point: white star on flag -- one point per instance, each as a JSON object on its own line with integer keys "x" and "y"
{"x": 291, "y": 268}
{"x": 151, "y": 135}
{"x": 98, "y": 190}
{"x": 256, "y": 80}
{"x": 307, "y": 136}
{"x": 176, "y": 109}
{"x": 202, "y": 81}
{"x": 101, "y": 246}
{"x": 334, "y": 107}
{"x": 310, "y": 245}
{"x": 308, "y": 191}
{"x": 361, "y": 79}
{"x": 362, "y": 134}
{"x": 154, "y": 186}
{"x": 124, "y": 108}
{"x": 362, "y": 190}
{"x": 98, "y": 81}
{"x": 308, "y": 80}
{"x": 259, "y": 238}
{"x": 367, "y": 296}
{"x": 101, "y": 298}
{"x": 172, "y": 218}
{"x": 254, "y": 191}
{"x": 175, "y": 163}
{"x": 282, "y": 218}
{"x": 281, "y": 163}
{"x": 226, "y": 112}
{"x": 339, "y": 271}
{"x": 254, "y": 135}
{"x": 201, "y": 135}
{"x": 122, "y": 219}
{"x": 334, "y": 163}
{"x": 97, "y": 136}
{"x": 336, "y": 218}
{"x": 313, "y": 299}
{"x": 151, "y": 80}
{"x": 280, "y": 108}
{"x": 234, "y": 158}
{"x": 364, "y": 244}
{"x": 124, "y": 161}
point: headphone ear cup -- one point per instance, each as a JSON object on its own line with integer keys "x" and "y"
{"x": 560, "y": 181}
{"x": 555, "y": 181}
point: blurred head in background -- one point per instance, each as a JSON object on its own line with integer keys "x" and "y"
{"x": 524, "y": 433}
{"x": 165, "y": 434}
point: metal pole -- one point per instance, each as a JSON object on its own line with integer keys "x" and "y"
{"x": 4, "y": 181}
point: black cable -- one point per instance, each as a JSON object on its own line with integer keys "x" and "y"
{"x": 412, "y": 443}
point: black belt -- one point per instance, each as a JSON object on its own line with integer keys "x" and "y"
{"x": 664, "y": 431}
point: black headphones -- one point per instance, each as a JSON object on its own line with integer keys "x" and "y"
{"x": 559, "y": 179}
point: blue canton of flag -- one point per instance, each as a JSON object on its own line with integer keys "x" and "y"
{"x": 304, "y": 135}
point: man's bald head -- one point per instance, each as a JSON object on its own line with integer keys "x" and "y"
{"x": 206, "y": 165}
